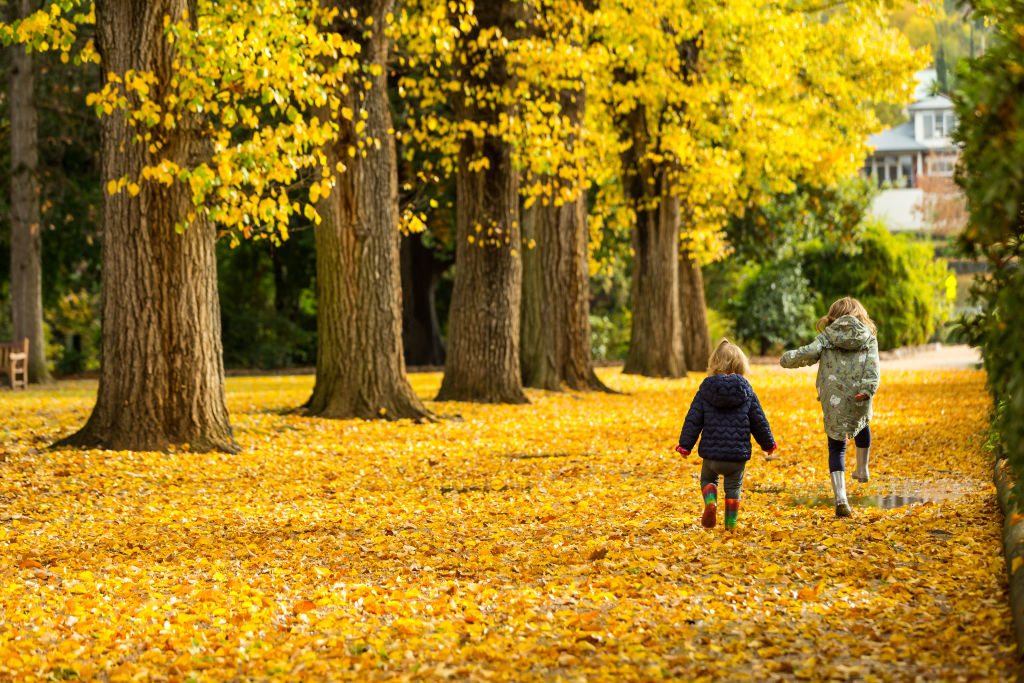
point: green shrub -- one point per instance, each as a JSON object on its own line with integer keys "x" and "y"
{"x": 719, "y": 326}
{"x": 897, "y": 280}
{"x": 609, "y": 336}
{"x": 774, "y": 307}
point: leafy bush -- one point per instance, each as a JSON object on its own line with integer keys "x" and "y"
{"x": 719, "y": 326}
{"x": 609, "y": 336}
{"x": 897, "y": 280}
{"x": 990, "y": 107}
{"x": 774, "y": 307}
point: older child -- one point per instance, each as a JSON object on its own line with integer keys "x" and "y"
{"x": 724, "y": 414}
{"x": 847, "y": 355}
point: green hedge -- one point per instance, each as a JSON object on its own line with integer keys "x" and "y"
{"x": 898, "y": 280}
{"x": 990, "y": 107}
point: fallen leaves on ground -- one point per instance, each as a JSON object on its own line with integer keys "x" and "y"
{"x": 555, "y": 540}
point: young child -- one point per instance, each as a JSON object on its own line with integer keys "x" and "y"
{"x": 724, "y": 414}
{"x": 847, "y": 355}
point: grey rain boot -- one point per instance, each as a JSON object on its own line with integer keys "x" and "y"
{"x": 839, "y": 488}
{"x": 861, "y": 473}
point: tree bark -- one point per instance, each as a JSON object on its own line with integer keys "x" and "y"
{"x": 483, "y": 324}
{"x": 360, "y": 369}
{"x": 161, "y": 372}
{"x": 555, "y": 345}
{"x": 693, "y": 313}
{"x": 26, "y": 235}
{"x": 421, "y": 328}
{"x": 655, "y": 347}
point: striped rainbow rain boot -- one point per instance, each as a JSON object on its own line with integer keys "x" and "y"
{"x": 732, "y": 511}
{"x": 710, "y": 506}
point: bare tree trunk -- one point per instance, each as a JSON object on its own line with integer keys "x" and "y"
{"x": 161, "y": 373}
{"x": 360, "y": 368}
{"x": 655, "y": 346}
{"x": 26, "y": 233}
{"x": 693, "y": 313}
{"x": 483, "y": 324}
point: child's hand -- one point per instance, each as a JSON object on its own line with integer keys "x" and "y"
{"x": 775, "y": 447}
{"x": 682, "y": 451}
{"x": 860, "y": 397}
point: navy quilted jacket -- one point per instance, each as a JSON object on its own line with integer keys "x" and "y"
{"x": 724, "y": 413}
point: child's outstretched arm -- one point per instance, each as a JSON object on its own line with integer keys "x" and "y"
{"x": 692, "y": 425}
{"x": 759, "y": 426}
{"x": 805, "y": 355}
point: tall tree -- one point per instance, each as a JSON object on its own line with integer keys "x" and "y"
{"x": 26, "y": 233}
{"x": 650, "y": 179}
{"x": 555, "y": 332}
{"x": 360, "y": 363}
{"x": 483, "y": 345}
{"x": 161, "y": 374}
{"x": 711, "y": 127}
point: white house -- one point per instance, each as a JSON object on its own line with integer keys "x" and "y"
{"x": 903, "y": 155}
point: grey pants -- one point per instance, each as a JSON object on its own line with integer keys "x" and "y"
{"x": 731, "y": 471}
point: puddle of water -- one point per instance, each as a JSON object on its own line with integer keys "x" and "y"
{"x": 882, "y": 502}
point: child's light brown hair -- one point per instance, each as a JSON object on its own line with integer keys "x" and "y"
{"x": 727, "y": 359}
{"x": 847, "y": 306}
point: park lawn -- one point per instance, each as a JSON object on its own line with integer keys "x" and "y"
{"x": 559, "y": 539}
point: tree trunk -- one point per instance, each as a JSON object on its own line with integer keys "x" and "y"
{"x": 693, "y": 313}
{"x": 483, "y": 323}
{"x": 360, "y": 368}
{"x": 161, "y": 372}
{"x": 26, "y": 235}
{"x": 556, "y": 349}
{"x": 421, "y": 328}
{"x": 655, "y": 346}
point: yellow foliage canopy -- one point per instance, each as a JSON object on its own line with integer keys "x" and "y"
{"x": 559, "y": 539}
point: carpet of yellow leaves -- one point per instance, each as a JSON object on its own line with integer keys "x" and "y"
{"x": 555, "y": 540}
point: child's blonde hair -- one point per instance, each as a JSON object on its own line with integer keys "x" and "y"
{"x": 727, "y": 359}
{"x": 847, "y": 306}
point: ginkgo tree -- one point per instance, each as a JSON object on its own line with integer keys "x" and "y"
{"x": 496, "y": 101}
{"x": 207, "y": 120}
{"x": 360, "y": 366}
{"x": 717, "y": 105}
{"x": 469, "y": 53}
{"x": 555, "y": 335}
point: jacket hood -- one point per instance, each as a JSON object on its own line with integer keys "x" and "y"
{"x": 848, "y": 333}
{"x": 726, "y": 391}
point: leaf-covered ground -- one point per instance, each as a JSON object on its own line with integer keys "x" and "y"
{"x": 558, "y": 540}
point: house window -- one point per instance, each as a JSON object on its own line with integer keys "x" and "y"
{"x": 941, "y": 164}
{"x": 937, "y": 125}
{"x": 896, "y": 170}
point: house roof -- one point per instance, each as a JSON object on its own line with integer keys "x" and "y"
{"x": 933, "y": 102}
{"x": 898, "y": 139}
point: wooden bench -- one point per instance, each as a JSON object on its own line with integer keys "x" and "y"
{"x": 14, "y": 361}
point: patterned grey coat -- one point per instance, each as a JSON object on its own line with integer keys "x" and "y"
{"x": 847, "y": 357}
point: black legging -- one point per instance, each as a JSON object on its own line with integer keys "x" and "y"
{"x": 837, "y": 449}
